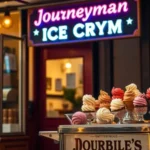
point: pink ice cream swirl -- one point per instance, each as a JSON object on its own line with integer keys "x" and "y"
{"x": 148, "y": 93}
{"x": 140, "y": 101}
{"x": 79, "y": 118}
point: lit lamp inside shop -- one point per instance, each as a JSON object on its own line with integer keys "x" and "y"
{"x": 68, "y": 65}
{"x": 65, "y": 66}
{"x": 7, "y": 20}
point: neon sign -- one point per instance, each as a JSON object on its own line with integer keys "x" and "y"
{"x": 84, "y": 22}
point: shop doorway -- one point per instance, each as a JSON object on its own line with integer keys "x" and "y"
{"x": 45, "y": 54}
{"x": 64, "y": 86}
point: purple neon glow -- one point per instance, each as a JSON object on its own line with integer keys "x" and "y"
{"x": 82, "y": 13}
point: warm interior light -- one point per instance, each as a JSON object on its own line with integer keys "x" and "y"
{"x": 68, "y": 65}
{"x": 7, "y": 20}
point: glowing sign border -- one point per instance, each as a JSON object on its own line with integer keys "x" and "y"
{"x": 31, "y": 43}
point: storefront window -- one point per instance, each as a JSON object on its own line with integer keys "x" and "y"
{"x": 12, "y": 84}
{"x": 64, "y": 85}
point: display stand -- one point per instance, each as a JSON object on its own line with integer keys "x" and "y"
{"x": 102, "y": 136}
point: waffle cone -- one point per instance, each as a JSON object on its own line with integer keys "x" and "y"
{"x": 129, "y": 105}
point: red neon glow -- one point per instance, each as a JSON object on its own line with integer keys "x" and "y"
{"x": 82, "y": 13}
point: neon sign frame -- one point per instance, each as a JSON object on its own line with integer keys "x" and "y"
{"x": 86, "y": 21}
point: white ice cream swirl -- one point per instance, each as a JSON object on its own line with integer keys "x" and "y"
{"x": 103, "y": 115}
{"x": 88, "y": 108}
{"x": 88, "y": 103}
{"x": 116, "y": 104}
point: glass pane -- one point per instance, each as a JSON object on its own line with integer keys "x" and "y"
{"x": 11, "y": 86}
{"x": 64, "y": 90}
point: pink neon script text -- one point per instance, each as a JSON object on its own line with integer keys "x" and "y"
{"x": 82, "y": 13}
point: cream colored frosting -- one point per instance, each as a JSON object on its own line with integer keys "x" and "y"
{"x": 88, "y": 103}
{"x": 133, "y": 87}
{"x": 88, "y": 108}
{"x": 88, "y": 100}
{"x": 103, "y": 115}
{"x": 116, "y": 104}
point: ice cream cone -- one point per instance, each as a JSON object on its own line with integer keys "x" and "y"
{"x": 105, "y": 104}
{"x": 129, "y": 105}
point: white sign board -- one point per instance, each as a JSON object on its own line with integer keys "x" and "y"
{"x": 106, "y": 142}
